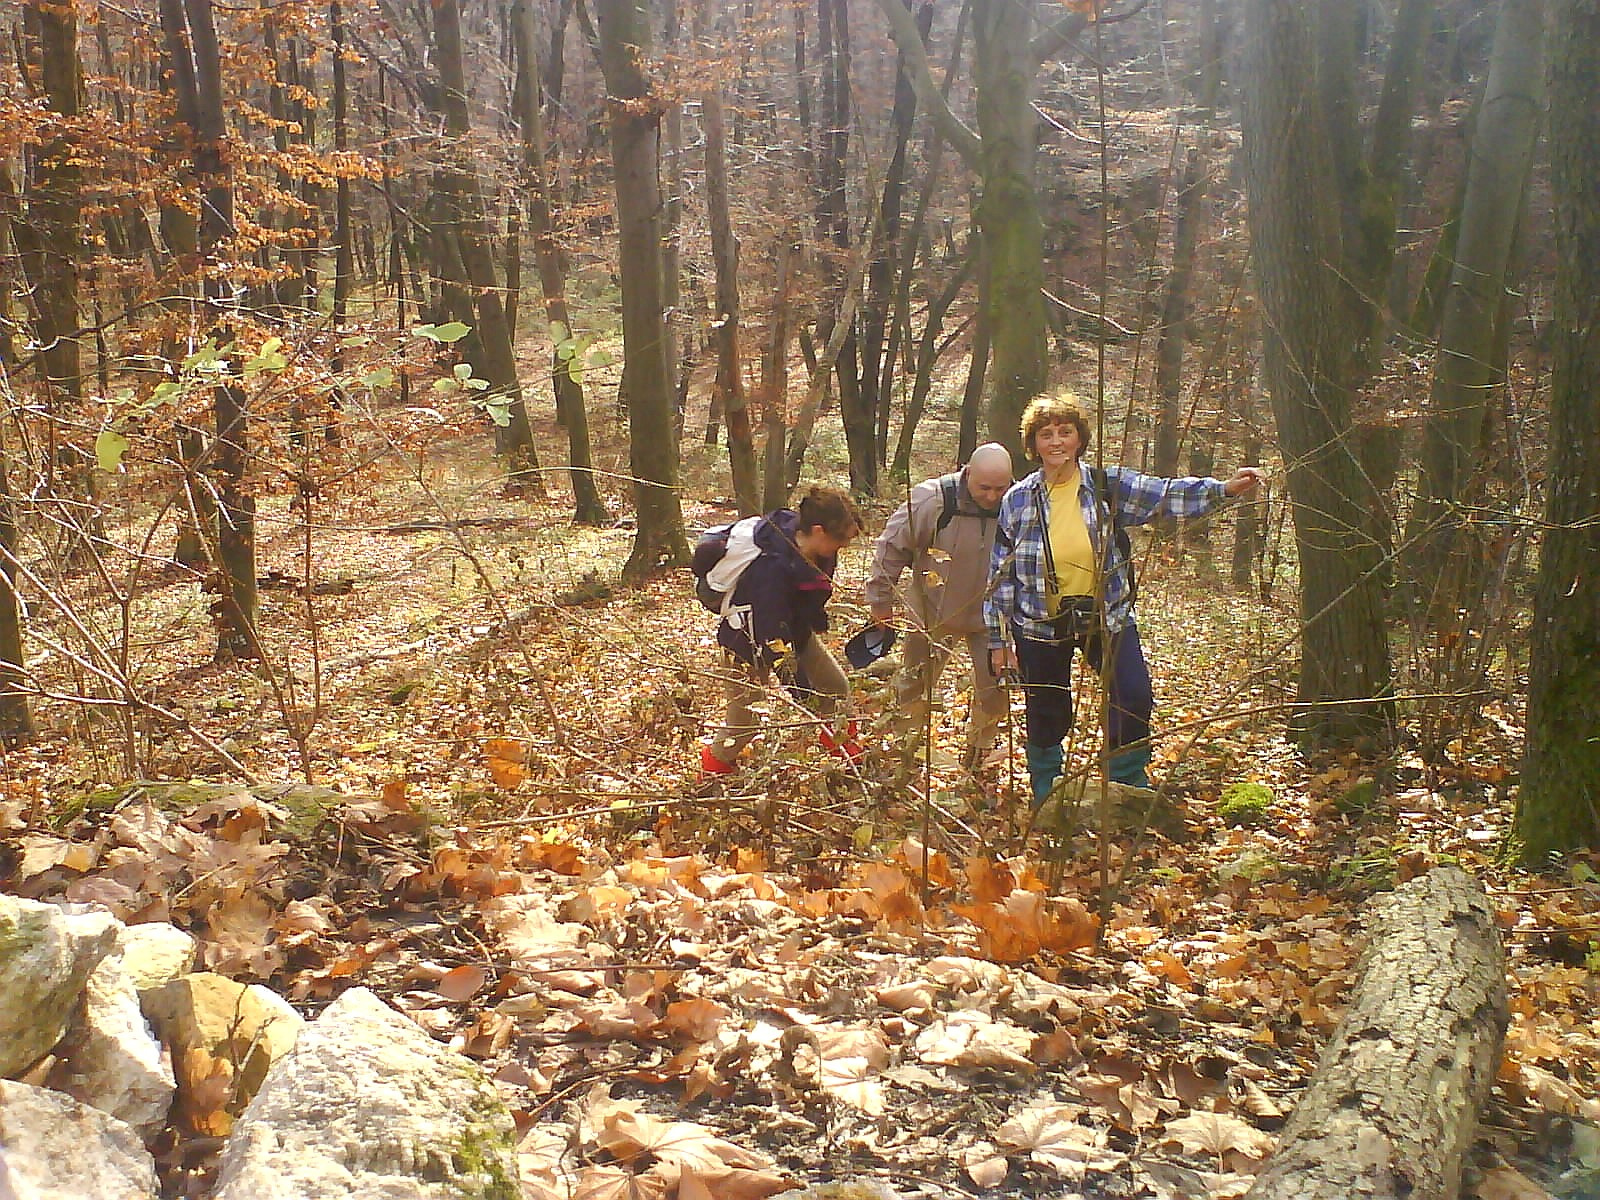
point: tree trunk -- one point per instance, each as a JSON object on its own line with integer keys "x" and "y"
{"x": 462, "y": 206}
{"x": 775, "y": 382}
{"x": 1392, "y": 1108}
{"x": 1465, "y": 370}
{"x": 191, "y": 40}
{"x": 634, "y": 114}
{"x": 1559, "y": 804}
{"x": 16, "y": 715}
{"x": 55, "y": 209}
{"x": 833, "y": 220}
{"x": 343, "y": 231}
{"x": 1008, "y": 214}
{"x": 571, "y": 406}
{"x": 1314, "y": 337}
{"x": 725, "y": 323}
{"x": 1175, "y": 316}
{"x": 927, "y": 355}
{"x": 877, "y": 371}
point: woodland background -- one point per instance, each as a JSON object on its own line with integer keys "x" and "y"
{"x": 368, "y": 368}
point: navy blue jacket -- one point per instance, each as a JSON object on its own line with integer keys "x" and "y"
{"x": 778, "y": 604}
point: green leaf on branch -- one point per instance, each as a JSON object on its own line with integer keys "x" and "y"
{"x": 269, "y": 358}
{"x": 109, "y": 447}
{"x": 452, "y": 331}
{"x": 381, "y": 378}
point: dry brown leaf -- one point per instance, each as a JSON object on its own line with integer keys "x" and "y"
{"x": 914, "y": 995}
{"x": 1218, "y": 1134}
{"x": 610, "y": 1183}
{"x": 462, "y": 983}
{"x": 975, "y": 1039}
{"x": 507, "y": 759}
{"x": 991, "y": 882}
{"x": 627, "y": 1135}
{"x": 1051, "y": 1135}
{"x": 696, "y": 1020}
{"x": 1506, "y": 1183}
{"x": 985, "y": 1165}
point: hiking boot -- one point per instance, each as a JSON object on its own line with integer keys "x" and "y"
{"x": 846, "y": 747}
{"x": 711, "y": 765}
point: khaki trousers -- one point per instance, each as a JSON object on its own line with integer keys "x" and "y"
{"x": 922, "y": 661}
{"x": 745, "y": 686}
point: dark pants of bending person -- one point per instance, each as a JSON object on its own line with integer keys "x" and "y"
{"x": 1046, "y": 669}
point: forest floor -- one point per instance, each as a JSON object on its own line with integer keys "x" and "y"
{"x": 816, "y": 973}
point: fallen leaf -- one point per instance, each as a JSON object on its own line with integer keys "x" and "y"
{"x": 1051, "y": 1135}
{"x": 1218, "y": 1134}
{"x": 461, "y": 984}
{"x": 984, "y": 1165}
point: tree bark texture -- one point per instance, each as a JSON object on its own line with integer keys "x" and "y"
{"x": 191, "y": 41}
{"x": 16, "y": 715}
{"x": 877, "y": 371}
{"x": 1467, "y": 367}
{"x": 1175, "y": 315}
{"x": 634, "y": 114}
{"x": 1313, "y": 345}
{"x": 571, "y": 406}
{"x": 725, "y": 323}
{"x": 1393, "y": 1105}
{"x": 1559, "y": 804}
{"x": 462, "y": 206}
{"x": 1008, "y": 214}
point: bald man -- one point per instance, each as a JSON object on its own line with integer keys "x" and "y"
{"x": 945, "y": 534}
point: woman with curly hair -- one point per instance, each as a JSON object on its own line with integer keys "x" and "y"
{"x": 1059, "y": 583}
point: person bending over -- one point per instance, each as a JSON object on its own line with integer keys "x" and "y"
{"x": 777, "y": 610}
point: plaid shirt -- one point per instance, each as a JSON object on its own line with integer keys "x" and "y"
{"x": 1018, "y": 589}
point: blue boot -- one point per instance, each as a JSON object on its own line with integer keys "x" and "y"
{"x": 1044, "y": 768}
{"x": 1128, "y": 766}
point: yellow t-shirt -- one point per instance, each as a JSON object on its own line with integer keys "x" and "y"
{"x": 1069, "y": 543}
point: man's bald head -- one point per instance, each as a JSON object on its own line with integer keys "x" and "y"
{"x": 989, "y": 474}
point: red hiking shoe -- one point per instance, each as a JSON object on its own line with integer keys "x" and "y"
{"x": 846, "y": 748}
{"x": 710, "y": 764}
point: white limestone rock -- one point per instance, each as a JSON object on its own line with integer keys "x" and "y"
{"x": 46, "y": 955}
{"x": 54, "y": 1148}
{"x": 109, "y": 1059}
{"x": 369, "y": 1106}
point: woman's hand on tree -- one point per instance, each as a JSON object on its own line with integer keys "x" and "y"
{"x": 1244, "y": 480}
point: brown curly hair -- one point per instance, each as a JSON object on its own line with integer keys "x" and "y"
{"x": 834, "y": 510}
{"x": 1062, "y": 408}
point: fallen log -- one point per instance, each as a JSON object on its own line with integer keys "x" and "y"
{"x": 1393, "y": 1105}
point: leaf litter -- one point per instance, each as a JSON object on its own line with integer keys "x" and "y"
{"x": 684, "y": 996}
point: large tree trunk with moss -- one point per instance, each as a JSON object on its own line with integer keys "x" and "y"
{"x": 571, "y": 406}
{"x": 1318, "y": 324}
{"x": 1467, "y": 368}
{"x": 1008, "y": 214}
{"x": 1393, "y": 1105}
{"x": 1012, "y": 41}
{"x": 634, "y": 115}
{"x": 1559, "y": 803}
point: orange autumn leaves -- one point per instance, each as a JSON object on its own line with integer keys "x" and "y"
{"x": 1014, "y": 918}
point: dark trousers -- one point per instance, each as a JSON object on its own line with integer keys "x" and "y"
{"x": 1046, "y": 669}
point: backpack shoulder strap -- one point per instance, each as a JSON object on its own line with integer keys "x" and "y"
{"x": 950, "y": 495}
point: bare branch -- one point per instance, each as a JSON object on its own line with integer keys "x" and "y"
{"x": 909, "y": 42}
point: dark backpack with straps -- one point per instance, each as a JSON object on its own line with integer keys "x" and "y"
{"x": 1119, "y": 532}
